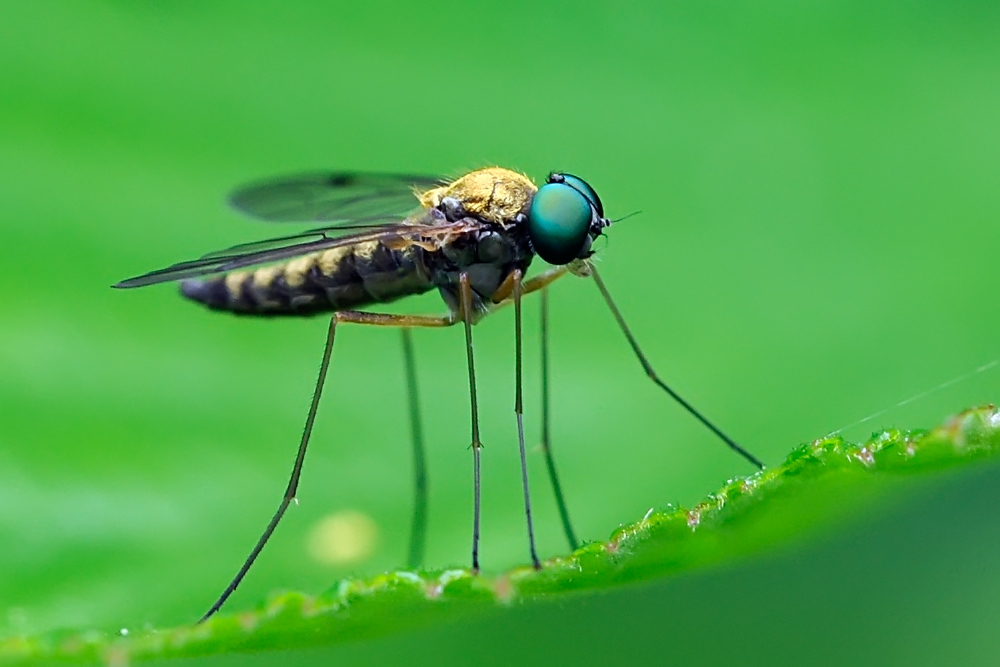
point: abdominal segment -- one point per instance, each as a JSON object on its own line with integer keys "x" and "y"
{"x": 342, "y": 278}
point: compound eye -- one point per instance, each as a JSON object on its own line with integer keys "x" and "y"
{"x": 559, "y": 222}
{"x": 584, "y": 187}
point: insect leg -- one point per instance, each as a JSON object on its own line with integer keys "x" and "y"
{"x": 550, "y": 462}
{"x": 541, "y": 283}
{"x": 418, "y": 528}
{"x": 293, "y": 480}
{"x": 544, "y": 279}
{"x": 465, "y": 302}
{"x": 660, "y": 383}
{"x": 519, "y": 412}
{"x": 356, "y": 317}
{"x": 390, "y": 320}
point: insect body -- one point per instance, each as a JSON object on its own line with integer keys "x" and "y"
{"x": 472, "y": 239}
{"x": 469, "y": 226}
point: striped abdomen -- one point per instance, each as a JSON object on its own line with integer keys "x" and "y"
{"x": 338, "y": 279}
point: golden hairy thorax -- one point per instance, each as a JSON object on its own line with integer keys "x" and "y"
{"x": 494, "y": 194}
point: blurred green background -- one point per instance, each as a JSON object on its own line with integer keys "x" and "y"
{"x": 819, "y": 186}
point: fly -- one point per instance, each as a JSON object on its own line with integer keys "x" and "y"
{"x": 388, "y": 236}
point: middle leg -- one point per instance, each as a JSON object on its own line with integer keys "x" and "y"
{"x": 418, "y": 527}
{"x": 519, "y": 412}
{"x": 466, "y": 313}
{"x": 550, "y": 462}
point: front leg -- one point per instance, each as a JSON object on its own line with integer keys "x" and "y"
{"x": 651, "y": 373}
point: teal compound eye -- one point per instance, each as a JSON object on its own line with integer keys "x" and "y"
{"x": 559, "y": 221}
{"x": 582, "y": 186}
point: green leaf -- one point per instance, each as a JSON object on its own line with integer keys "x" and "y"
{"x": 819, "y": 484}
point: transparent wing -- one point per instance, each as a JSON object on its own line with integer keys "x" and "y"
{"x": 287, "y": 247}
{"x": 331, "y": 196}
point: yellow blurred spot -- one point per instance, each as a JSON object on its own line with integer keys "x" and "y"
{"x": 342, "y": 538}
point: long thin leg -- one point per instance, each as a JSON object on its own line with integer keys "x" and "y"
{"x": 503, "y": 297}
{"x": 293, "y": 480}
{"x": 465, "y": 295}
{"x": 418, "y": 528}
{"x": 550, "y": 462}
{"x": 356, "y": 317}
{"x": 519, "y": 412}
{"x": 388, "y": 320}
{"x": 660, "y": 383}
